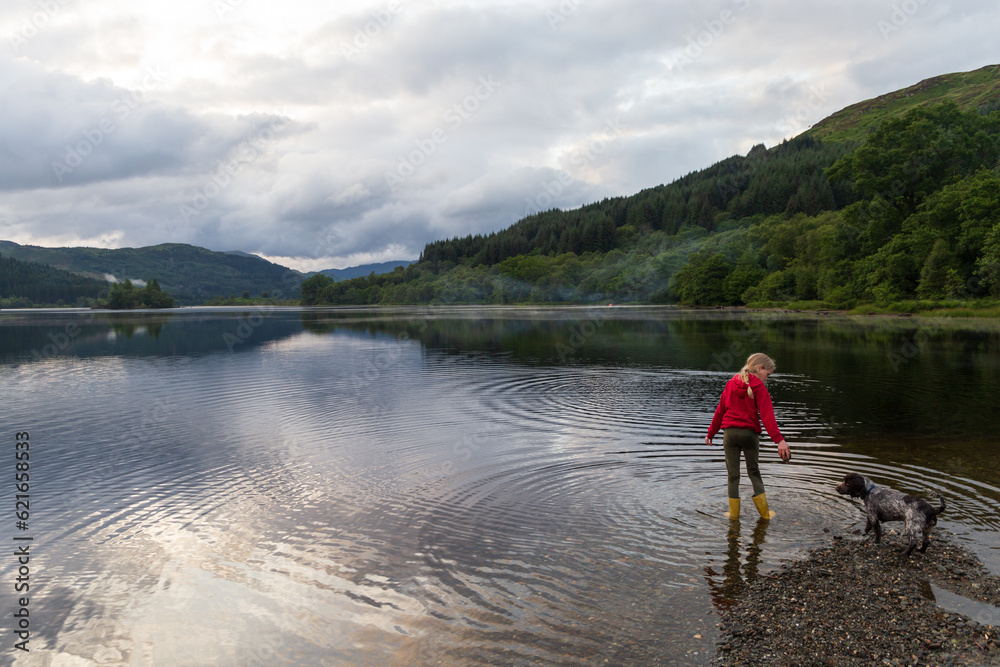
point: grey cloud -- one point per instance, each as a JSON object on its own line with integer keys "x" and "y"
{"x": 539, "y": 140}
{"x": 63, "y": 132}
{"x": 496, "y": 200}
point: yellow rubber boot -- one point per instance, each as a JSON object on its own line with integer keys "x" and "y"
{"x": 734, "y": 509}
{"x": 761, "y": 503}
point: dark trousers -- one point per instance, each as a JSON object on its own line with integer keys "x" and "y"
{"x": 734, "y": 441}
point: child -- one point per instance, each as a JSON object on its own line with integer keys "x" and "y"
{"x": 745, "y": 403}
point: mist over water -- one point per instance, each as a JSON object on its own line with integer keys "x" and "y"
{"x": 464, "y": 485}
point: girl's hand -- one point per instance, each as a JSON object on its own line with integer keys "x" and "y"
{"x": 784, "y": 452}
{"x": 708, "y": 441}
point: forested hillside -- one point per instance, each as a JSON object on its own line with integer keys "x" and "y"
{"x": 788, "y": 179}
{"x": 26, "y": 284}
{"x": 625, "y": 248}
{"x": 899, "y": 203}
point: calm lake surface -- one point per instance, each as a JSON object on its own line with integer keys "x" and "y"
{"x": 456, "y": 486}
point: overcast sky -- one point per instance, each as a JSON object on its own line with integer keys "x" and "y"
{"x": 325, "y": 135}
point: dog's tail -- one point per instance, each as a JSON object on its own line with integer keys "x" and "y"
{"x": 939, "y": 509}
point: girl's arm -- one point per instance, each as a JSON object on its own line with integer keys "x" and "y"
{"x": 766, "y": 410}
{"x": 720, "y": 410}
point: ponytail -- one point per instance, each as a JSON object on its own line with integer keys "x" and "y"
{"x": 755, "y": 362}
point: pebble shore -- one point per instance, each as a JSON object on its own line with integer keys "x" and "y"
{"x": 854, "y": 602}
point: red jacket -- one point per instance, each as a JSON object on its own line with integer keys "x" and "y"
{"x": 737, "y": 410}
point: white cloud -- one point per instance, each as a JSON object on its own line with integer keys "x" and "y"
{"x": 480, "y": 109}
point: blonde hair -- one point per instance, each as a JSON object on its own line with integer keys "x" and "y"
{"x": 754, "y": 363}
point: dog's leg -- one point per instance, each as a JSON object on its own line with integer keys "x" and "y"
{"x": 873, "y": 523}
{"x": 915, "y": 536}
{"x": 927, "y": 539}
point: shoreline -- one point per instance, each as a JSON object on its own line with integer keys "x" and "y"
{"x": 867, "y": 311}
{"x": 853, "y": 602}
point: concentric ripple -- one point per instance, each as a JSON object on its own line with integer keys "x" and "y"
{"x": 345, "y": 494}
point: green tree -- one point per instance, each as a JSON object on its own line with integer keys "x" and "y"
{"x": 702, "y": 281}
{"x": 744, "y": 276}
{"x": 989, "y": 264}
{"x": 907, "y": 159}
{"x": 123, "y": 296}
{"x": 312, "y": 288}
{"x": 152, "y": 296}
{"x": 939, "y": 272}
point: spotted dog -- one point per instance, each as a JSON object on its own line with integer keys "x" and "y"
{"x": 882, "y": 504}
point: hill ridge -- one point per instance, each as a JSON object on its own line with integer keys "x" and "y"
{"x": 973, "y": 89}
{"x": 190, "y": 273}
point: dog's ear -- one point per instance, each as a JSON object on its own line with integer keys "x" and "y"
{"x": 844, "y": 488}
{"x": 855, "y": 484}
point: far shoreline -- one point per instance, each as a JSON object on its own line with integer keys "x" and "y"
{"x": 980, "y": 314}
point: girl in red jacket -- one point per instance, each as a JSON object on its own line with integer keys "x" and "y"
{"x": 745, "y": 403}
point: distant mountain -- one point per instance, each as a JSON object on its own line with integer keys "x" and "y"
{"x": 188, "y": 273}
{"x": 363, "y": 270}
{"x": 978, "y": 90}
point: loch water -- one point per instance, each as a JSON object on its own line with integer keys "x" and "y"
{"x": 455, "y": 486}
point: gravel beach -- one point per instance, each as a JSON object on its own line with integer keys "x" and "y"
{"x": 857, "y": 603}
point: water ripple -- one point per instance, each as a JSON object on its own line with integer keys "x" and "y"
{"x": 367, "y": 499}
